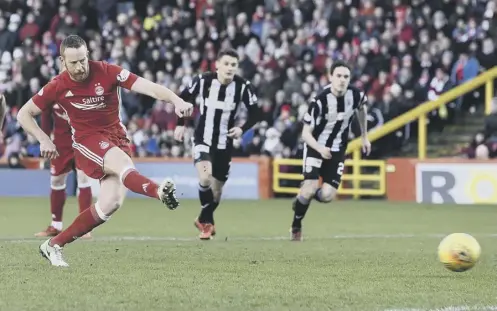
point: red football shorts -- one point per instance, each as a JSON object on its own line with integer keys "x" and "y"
{"x": 64, "y": 163}
{"x": 90, "y": 152}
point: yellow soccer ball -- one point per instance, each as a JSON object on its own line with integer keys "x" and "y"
{"x": 459, "y": 252}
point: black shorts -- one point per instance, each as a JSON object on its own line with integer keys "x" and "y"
{"x": 219, "y": 158}
{"x": 330, "y": 170}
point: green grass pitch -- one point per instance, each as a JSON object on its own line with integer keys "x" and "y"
{"x": 357, "y": 255}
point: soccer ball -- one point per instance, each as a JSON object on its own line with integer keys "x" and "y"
{"x": 459, "y": 252}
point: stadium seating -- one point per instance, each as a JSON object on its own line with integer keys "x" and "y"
{"x": 402, "y": 55}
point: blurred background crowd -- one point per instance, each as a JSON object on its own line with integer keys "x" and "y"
{"x": 403, "y": 53}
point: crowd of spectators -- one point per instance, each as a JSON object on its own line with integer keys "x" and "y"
{"x": 483, "y": 146}
{"x": 404, "y": 52}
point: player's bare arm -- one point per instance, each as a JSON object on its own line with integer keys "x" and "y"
{"x": 311, "y": 142}
{"x": 188, "y": 94}
{"x": 310, "y": 120}
{"x": 26, "y": 119}
{"x": 157, "y": 91}
{"x": 362, "y": 116}
{"x": 3, "y": 112}
{"x": 250, "y": 101}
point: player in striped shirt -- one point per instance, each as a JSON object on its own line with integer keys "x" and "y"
{"x": 220, "y": 95}
{"x": 325, "y": 133}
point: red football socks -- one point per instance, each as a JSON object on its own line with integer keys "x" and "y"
{"x": 138, "y": 183}
{"x": 57, "y": 201}
{"x": 84, "y": 223}
{"x": 84, "y": 198}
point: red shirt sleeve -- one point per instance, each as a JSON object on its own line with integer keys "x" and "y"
{"x": 47, "y": 96}
{"x": 124, "y": 77}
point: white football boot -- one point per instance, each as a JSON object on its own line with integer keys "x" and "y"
{"x": 167, "y": 194}
{"x": 53, "y": 254}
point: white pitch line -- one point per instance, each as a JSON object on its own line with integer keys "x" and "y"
{"x": 242, "y": 238}
{"x": 451, "y": 308}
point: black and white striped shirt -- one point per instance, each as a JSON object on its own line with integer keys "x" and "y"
{"x": 330, "y": 116}
{"x": 219, "y": 105}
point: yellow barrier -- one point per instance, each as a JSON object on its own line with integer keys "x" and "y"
{"x": 356, "y": 177}
{"x": 420, "y": 112}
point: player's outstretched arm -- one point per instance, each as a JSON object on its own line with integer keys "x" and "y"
{"x": 188, "y": 94}
{"x": 157, "y": 91}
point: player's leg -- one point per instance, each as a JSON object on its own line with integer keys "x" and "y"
{"x": 218, "y": 169}
{"x": 221, "y": 166}
{"x": 84, "y": 188}
{"x": 205, "y": 222}
{"x": 85, "y": 196}
{"x": 112, "y": 194}
{"x": 331, "y": 171}
{"x": 205, "y": 195}
{"x": 221, "y": 163}
{"x": 213, "y": 169}
{"x": 301, "y": 206}
{"x": 326, "y": 193}
{"x": 203, "y": 165}
{"x": 117, "y": 162}
{"x": 57, "y": 201}
{"x": 217, "y": 191}
{"x": 311, "y": 170}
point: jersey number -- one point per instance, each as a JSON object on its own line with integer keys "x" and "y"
{"x": 341, "y": 166}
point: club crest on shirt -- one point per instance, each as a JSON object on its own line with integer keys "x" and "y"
{"x": 99, "y": 90}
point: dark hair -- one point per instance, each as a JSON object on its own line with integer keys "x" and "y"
{"x": 338, "y": 63}
{"x": 71, "y": 41}
{"x": 228, "y": 52}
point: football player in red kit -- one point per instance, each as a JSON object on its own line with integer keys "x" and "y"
{"x": 54, "y": 122}
{"x": 88, "y": 91}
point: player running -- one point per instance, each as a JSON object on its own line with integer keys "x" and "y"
{"x": 325, "y": 133}
{"x": 220, "y": 94}
{"x": 88, "y": 91}
{"x": 54, "y": 121}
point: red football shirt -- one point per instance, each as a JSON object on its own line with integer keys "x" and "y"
{"x": 92, "y": 106}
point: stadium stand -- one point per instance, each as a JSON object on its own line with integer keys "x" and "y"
{"x": 403, "y": 54}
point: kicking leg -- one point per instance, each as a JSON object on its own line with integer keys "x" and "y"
{"x": 117, "y": 162}
{"x": 301, "y": 205}
{"x": 57, "y": 201}
{"x": 112, "y": 194}
{"x": 85, "y": 197}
